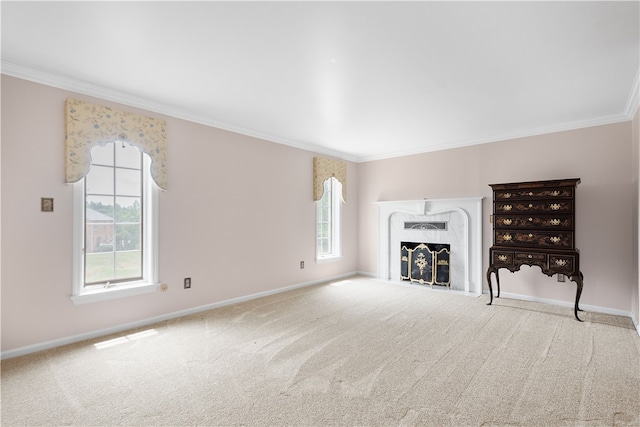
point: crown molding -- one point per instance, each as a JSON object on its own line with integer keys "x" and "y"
{"x": 634, "y": 98}
{"x": 91, "y": 89}
{"x": 102, "y": 92}
{"x": 562, "y": 127}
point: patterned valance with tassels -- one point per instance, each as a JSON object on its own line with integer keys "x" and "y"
{"x": 88, "y": 125}
{"x": 324, "y": 169}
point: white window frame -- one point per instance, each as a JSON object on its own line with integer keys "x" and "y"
{"x": 149, "y": 283}
{"x": 336, "y": 224}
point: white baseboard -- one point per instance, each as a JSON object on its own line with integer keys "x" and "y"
{"x": 594, "y": 308}
{"x": 145, "y": 322}
{"x": 636, "y": 324}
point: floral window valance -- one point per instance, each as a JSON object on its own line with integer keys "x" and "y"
{"x": 324, "y": 169}
{"x": 88, "y": 125}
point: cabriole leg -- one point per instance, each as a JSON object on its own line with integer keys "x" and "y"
{"x": 577, "y": 278}
{"x": 489, "y": 271}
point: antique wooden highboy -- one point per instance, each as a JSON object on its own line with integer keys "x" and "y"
{"x": 534, "y": 224}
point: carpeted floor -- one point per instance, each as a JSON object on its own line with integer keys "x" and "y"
{"x": 358, "y": 352}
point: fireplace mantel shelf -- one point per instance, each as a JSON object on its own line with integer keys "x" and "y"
{"x": 427, "y": 202}
{"x": 384, "y": 202}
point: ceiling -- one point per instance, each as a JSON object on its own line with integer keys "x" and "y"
{"x": 357, "y": 80}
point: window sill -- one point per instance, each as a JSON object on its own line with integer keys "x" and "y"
{"x": 326, "y": 259}
{"x": 117, "y": 291}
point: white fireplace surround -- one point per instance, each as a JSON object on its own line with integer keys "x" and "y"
{"x": 464, "y": 234}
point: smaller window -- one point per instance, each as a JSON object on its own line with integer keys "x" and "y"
{"x": 328, "y": 224}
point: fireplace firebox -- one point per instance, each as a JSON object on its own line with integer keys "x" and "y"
{"x": 425, "y": 263}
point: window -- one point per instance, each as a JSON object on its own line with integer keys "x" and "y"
{"x": 328, "y": 244}
{"x": 115, "y": 220}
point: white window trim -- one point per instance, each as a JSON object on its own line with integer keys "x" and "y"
{"x": 328, "y": 258}
{"x": 82, "y": 295}
{"x": 336, "y": 227}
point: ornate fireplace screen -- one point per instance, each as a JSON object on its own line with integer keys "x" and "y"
{"x": 425, "y": 263}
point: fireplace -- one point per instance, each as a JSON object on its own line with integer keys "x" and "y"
{"x": 454, "y": 224}
{"x": 425, "y": 263}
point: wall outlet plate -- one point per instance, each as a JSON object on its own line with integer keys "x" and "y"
{"x": 187, "y": 283}
{"x": 46, "y": 204}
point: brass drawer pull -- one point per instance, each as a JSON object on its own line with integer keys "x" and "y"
{"x": 530, "y": 219}
{"x": 530, "y": 235}
{"x": 531, "y": 193}
{"x": 502, "y": 258}
{"x": 555, "y": 206}
{"x": 507, "y": 221}
{"x": 530, "y": 205}
{"x": 529, "y": 256}
{"x": 555, "y": 193}
{"x": 507, "y": 195}
{"x": 507, "y": 237}
{"x": 555, "y": 222}
{"x": 561, "y": 262}
{"x": 507, "y": 207}
{"x": 555, "y": 239}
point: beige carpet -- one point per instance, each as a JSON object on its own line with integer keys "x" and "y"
{"x": 362, "y": 353}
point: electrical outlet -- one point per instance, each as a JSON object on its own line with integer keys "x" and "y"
{"x": 187, "y": 283}
{"x": 46, "y": 204}
{"x": 301, "y": 265}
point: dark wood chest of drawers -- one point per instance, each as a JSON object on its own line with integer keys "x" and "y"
{"x": 534, "y": 224}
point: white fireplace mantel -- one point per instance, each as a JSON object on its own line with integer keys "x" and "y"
{"x": 469, "y": 248}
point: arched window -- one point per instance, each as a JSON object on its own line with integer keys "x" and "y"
{"x": 329, "y": 192}
{"x": 116, "y": 161}
{"x": 328, "y": 221}
{"x": 113, "y": 192}
{"x": 115, "y": 223}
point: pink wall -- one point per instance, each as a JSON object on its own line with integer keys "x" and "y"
{"x": 230, "y": 193}
{"x": 600, "y": 156}
{"x": 230, "y": 197}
